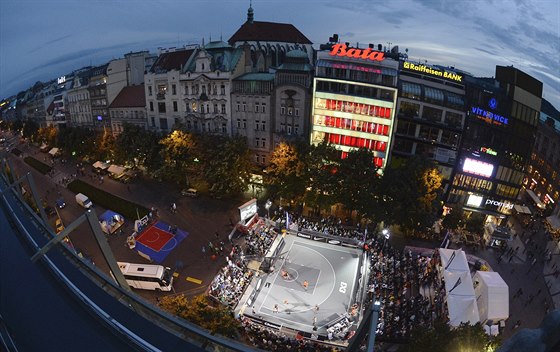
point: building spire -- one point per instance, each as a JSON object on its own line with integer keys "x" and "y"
{"x": 250, "y": 12}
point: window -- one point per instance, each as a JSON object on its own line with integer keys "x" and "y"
{"x": 186, "y": 89}
{"x": 411, "y": 90}
{"x": 223, "y": 89}
{"x": 175, "y": 107}
{"x": 257, "y": 105}
{"x": 238, "y": 123}
{"x": 263, "y": 126}
{"x": 244, "y": 123}
{"x": 203, "y": 89}
{"x": 282, "y": 110}
{"x": 257, "y": 123}
{"x": 453, "y": 119}
{"x": 163, "y": 123}
{"x": 216, "y": 109}
{"x": 161, "y": 107}
{"x": 173, "y": 89}
{"x": 263, "y": 110}
{"x": 290, "y": 111}
{"x": 296, "y": 129}
{"x": 151, "y": 106}
{"x": 149, "y": 90}
{"x": 244, "y": 106}
{"x": 162, "y": 88}
{"x": 153, "y": 121}
{"x": 263, "y": 142}
{"x": 238, "y": 106}
{"x": 409, "y": 109}
{"x": 297, "y": 112}
{"x": 289, "y": 129}
{"x": 432, "y": 95}
{"x": 431, "y": 114}
{"x": 257, "y": 142}
{"x": 223, "y": 108}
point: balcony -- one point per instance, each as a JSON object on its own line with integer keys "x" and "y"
{"x": 160, "y": 96}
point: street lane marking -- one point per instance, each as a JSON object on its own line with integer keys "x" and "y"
{"x": 192, "y": 279}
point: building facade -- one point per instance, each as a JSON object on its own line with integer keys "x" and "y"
{"x": 501, "y": 123}
{"x": 98, "y": 97}
{"x": 129, "y": 107}
{"x": 354, "y": 100}
{"x": 430, "y": 115}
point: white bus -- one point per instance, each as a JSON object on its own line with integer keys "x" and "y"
{"x": 147, "y": 277}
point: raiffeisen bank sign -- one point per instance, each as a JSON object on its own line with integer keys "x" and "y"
{"x": 432, "y": 71}
{"x": 366, "y": 54}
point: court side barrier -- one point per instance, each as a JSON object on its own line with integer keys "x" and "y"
{"x": 327, "y": 238}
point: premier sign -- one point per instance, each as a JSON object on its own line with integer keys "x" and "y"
{"x": 355, "y": 53}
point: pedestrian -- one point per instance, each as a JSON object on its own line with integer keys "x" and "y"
{"x": 275, "y": 309}
{"x": 217, "y": 235}
{"x": 204, "y": 251}
{"x": 316, "y": 308}
{"x": 305, "y": 284}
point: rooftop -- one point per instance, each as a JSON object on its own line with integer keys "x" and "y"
{"x": 268, "y": 32}
{"x": 130, "y": 97}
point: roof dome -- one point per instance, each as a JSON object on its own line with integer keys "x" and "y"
{"x": 219, "y": 44}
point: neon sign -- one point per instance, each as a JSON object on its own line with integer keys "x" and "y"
{"x": 432, "y": 71}
{"x": 342, "y": 50}
{"x": 488, "y": 151}
{"x": 489, "y": 116}
{"x": 499, "y": 204}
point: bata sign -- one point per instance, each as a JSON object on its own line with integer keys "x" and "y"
{"x": 432, "y": 71}
{"x": 342, "y": 50}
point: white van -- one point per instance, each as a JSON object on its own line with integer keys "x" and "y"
{"x": 83, "y": 200}
{"x": 147, "y": 276}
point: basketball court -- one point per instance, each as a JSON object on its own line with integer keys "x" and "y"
{"x": 312, "y": 286}
{"x": 157, "y": 241}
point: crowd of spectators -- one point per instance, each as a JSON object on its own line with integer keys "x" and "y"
{"x": 259, "y": 239}
{"x": 229, "y": 284}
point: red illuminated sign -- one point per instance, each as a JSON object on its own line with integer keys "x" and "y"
{"x": 342, "y": 50}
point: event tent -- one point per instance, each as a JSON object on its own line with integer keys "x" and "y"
{"x": 54, "y": 151}
{"x": 458, "y": 283}
{"x": 100, "y": 165}
{"x": 457, "y": 258}
{"x": 492, "y": 294}
{"x": 116, "y": 170}
{"x": 111, "y": 222}
{"x": 462, "y": 310}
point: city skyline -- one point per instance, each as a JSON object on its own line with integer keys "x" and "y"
{"x": 41, "y": 41}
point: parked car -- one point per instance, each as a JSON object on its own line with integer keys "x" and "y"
{"x": 58, "y": 226}
{"x": 49, "y": 211}
{"x": 191, "y": 192}
{"x": 60, "y": 203}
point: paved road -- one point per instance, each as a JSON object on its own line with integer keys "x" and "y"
{"x": 202, "y": 217}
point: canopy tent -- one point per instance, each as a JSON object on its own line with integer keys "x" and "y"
{"x": 535, "y": 199}
{"x": 458, "y": 283}
{"x": 116, "y": 170}
{"x": 453, "y": 260}
{"x": 111, "y": 222}
{"x": 100, "y": 165}
{"x": 522, "y": 209}
{"x": 553, "y": 221}
{"x": 53, "y": 151}
{"x": 462, "y": 310}
{"x": 492, "y": 294}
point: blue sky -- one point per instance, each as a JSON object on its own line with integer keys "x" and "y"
{"x": 41, "y": 40}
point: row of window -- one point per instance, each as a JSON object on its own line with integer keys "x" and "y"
{"x": 260, "y": 142}
{"x": 412, "y": 129}
{"x": 355, "y": 90}
{"x": 432, "y": 95}
{"x": 259, "y": 107}
{"x": 356, "y": 72}
{"x": 412, "y": 110}
{"x": 127, "y": 114}
{"x": 290, "y": 111}
{"x": 355, "y": 108}
{"x": 356, "y": 142}
{"x": 351, "y": 124}
{"x": 79, "y": 108}
{"x": 78, "y": 97}
{"x": 192, "y": 88}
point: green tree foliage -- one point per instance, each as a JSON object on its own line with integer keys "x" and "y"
{"x": 441, "y": 338}
{"x": 216, "y": 318}
{"x": 322, "y": 162}
{"x": 475, "y": 223}
{"x": 30, "y": 128}
{"x": 454, "y": 219}
{"x": 286, "y": 171}
{"x": 136, "y": 146}
{"x": 358, "y": 181}
{"x": 78, "y": 140}
{"x": 228, "y": 170}
{"x": 177, "y": 154}
{"x": 105, "y": 145}
{"x": 411, "y": 194}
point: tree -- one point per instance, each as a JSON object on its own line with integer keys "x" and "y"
{"x": 322, "y": 162}
{"x": 30, "y": 129}
{"x": 218, "y": 319}
{"x": 454, "y": 219}
{"x": 475, "y": 223}
{"x": 411, "y": 194}
{"x": 228, "y": 171}
{"x": 285, "y": 173}
{"x": 134, "y": 144}
{"x": 177, "y": 155}
{"x": 358, "y": 180}
{"x": 441, "y": 338}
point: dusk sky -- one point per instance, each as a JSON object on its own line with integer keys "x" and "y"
{"x": 41, "y": 40}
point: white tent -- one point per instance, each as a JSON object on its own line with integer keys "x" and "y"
{"x": 456, "y": 259}
{"x": 53, "y": 152}
{"x": 458, "y": 283}
{"x": 492, "y": 295}
{"x": 100, "y": 165}
{"x": 116, "y": 170}
{"x": 462, "y": 310}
